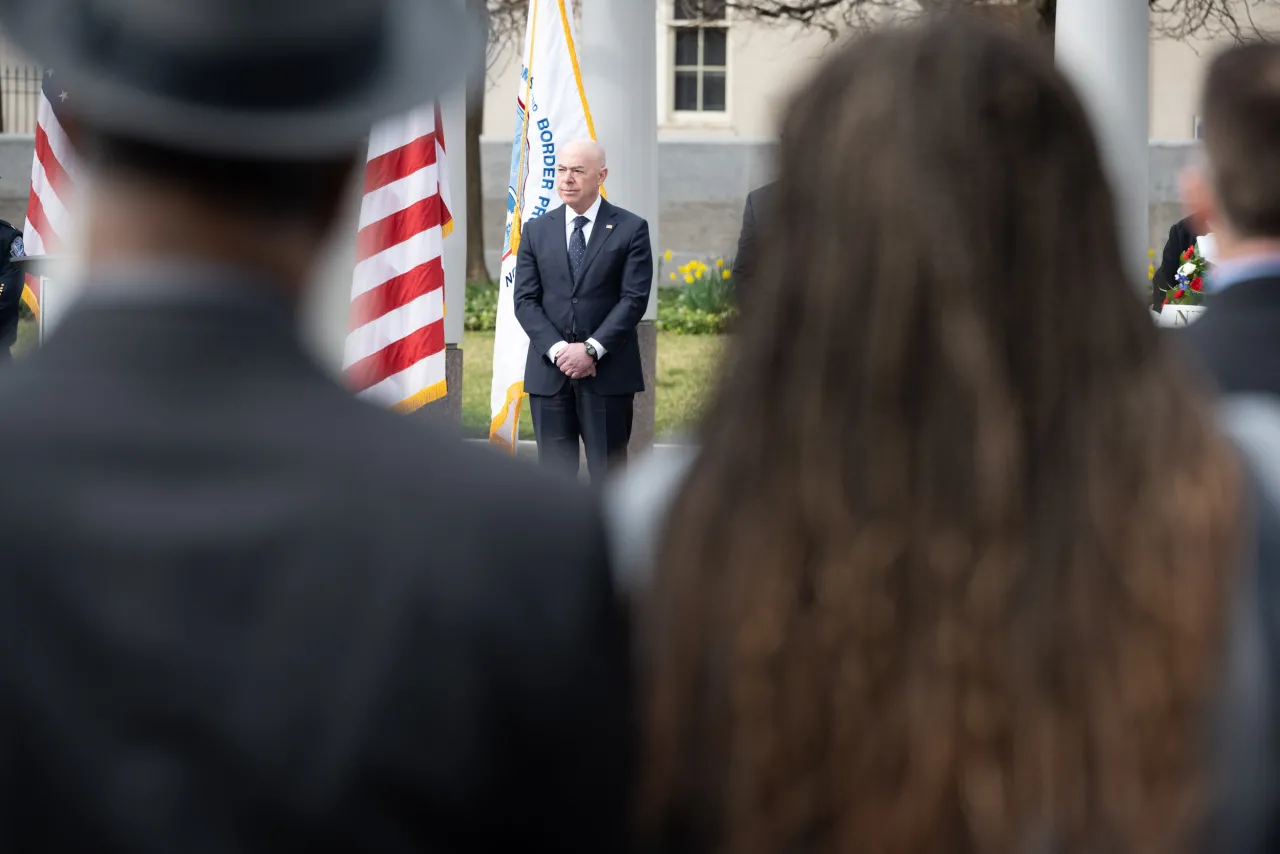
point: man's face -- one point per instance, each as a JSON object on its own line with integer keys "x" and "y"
{"x": 579, "y": 177}
{"x": 1200, "y": 200}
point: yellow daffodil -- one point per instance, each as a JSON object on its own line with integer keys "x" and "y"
{"x": 688, "y": 279}
{"x": 1151, "y": 253}
{"x": 719, "y": 262}
{"x": 1151, "y": 271}
{"x": 725, "y": 274}
{"x": 673, "y": 277}
{"x": 667, "y": 255}
{"x": 683, "y": 268}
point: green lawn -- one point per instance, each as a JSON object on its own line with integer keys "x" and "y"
{"x": 28, "y": 333}
{"x": 686, "y": 370}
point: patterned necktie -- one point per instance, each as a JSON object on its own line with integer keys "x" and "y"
{"x": 577, "y": 246}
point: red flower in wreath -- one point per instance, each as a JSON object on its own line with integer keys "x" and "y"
{"x": 1197, "y": 283}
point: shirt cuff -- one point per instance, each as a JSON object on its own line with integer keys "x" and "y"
{"x": 556, "y": 350}
{"x": 600, "y": 351}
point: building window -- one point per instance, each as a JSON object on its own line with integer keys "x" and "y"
{"x": 700, "y": 31}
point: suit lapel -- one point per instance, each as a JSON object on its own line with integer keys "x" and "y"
{"x": 600, "y": 233}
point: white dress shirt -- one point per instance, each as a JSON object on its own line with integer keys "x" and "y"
{"x": 570, "y": 215}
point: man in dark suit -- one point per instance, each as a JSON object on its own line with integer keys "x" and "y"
{"x": 583, "y": 275}
{"x": 758, "y": 204}
{"x": 1182, "y": 234}
{"x": 240, "y": 610}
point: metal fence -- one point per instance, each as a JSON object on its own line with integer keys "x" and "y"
{"x": 19, "y": 97}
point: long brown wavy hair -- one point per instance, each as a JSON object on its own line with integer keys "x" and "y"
{"x": 949, "y": 573}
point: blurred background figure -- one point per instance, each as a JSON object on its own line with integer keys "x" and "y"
{"x": 754, "y": 210}
{"x": 928, "y": 585}
{"x": 1182, "y": 234}
{"x": 11, "y": 284}
{"x": 241, "y": 611}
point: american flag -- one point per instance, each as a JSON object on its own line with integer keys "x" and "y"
{"x": 48, "y": 227}
{"x": 395, "y": 350}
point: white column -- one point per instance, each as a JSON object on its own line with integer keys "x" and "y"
{"x": 453, "y": 114}
{"x": 1103, "y": 46}
{"x": 618, "y": 58}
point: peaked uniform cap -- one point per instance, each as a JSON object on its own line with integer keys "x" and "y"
{"x": 246, "y": 78}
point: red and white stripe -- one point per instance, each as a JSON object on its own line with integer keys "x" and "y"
{"x": 395, "y": 350}
{"x": 48, "y": 227}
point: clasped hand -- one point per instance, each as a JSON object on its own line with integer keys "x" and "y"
{"x": 575, "y": 363}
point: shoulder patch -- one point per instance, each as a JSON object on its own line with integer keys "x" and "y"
{"x": 17, "y": 250}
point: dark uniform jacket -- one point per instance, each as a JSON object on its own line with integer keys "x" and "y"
{"x": 241, "y": 611}
{"x": 11, "y": 282}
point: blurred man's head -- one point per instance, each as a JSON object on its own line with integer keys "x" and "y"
{"x": 1235, "y": 186}
{"x": 580, "y": 173}
{"x": 148, "y": 200}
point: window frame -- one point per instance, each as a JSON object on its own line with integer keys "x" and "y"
{"x": 667, "y": 90}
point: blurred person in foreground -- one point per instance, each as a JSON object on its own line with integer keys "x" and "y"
{"x": 928, "y": 586}
{"x": 1236, "y": 185}
{"x": 241, "y": 611}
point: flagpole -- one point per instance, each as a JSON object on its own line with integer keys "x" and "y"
{"x": 453, "y": 108}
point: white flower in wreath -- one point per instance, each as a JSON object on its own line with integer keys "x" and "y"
{"x": 1187, "y": 269}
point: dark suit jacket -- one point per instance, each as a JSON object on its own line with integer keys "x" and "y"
{"x": 11, "y": 284}
{"x": 606, "y": 303}
{"x": 1236, "y": 339}
{"x": 1182, "y": 234}
{"x": 758, "y": 203}
{"x": 1236, "y": 342}
{"x": 242, "y": 612}
{"x": 1242, "y": 813}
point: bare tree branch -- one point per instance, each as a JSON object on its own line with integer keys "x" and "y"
{"x": 1176, "y": 19}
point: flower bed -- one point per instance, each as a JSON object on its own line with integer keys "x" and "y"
{"x": 700, "y": 302}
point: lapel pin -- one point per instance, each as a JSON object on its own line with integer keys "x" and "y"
{"x": 609, "y": 226}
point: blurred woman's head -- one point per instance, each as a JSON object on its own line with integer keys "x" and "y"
{"x": 947, "y": 573}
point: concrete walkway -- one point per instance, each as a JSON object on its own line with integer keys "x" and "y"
{"x": 529, "y": 450}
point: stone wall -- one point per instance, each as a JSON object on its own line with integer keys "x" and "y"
{"x": 702, "y": 187}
